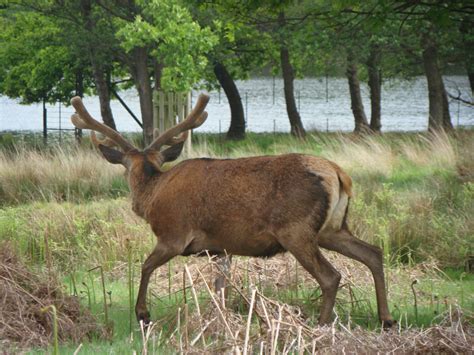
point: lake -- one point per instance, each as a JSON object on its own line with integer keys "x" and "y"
{"x": 322, "y": 106}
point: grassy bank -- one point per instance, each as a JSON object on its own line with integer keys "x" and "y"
{"x": 65, "y": 210}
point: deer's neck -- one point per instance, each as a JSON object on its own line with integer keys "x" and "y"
{"x": 143, "y": 193}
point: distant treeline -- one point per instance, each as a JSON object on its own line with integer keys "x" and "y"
{"x": 54, "y": 50}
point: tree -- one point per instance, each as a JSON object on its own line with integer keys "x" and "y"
{"x": 357, "y": 106}
{"x": 37, "y": 65}
{"x": 99, "y": 47}
{"x": 287, "y": 39}
{"x": 348, "y": 41}
{"x": 240, "y": 48}
{"x": 288, "y": 73}
{"x": 375, "y": 86}
{"x": 467, "y": 39}
{"x": 68, "y": 52}
{"x": 161, "y": 40}
{"x": 431, "y": 31}
{"x": 237, "y": 118}
{"x": 153, "y": 41}
{"x": 439, "y": 116}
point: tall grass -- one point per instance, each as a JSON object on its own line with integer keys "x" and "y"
{"x": 262, "y": 311}
{"x": 96, "y": 233}
{"x": 413, "y": 193}
{"x": 57, "y": 174}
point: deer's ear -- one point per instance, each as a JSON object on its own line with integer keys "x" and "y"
{"x": 113, "y": 156}
{"x": 172, "y": 153}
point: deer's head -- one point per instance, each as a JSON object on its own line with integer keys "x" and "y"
{"x": 140, "y": 164}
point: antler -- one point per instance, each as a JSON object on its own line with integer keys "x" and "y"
{"x": 105, "y": 141}
{"x": 83, "y": 120}
{"x": 195, "y": 118}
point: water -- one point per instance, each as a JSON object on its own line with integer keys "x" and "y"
{"x": 404, "y": 107}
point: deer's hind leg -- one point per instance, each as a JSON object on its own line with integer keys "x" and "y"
{"x": 307, "y": 252}
{"x": 347, "y": 244}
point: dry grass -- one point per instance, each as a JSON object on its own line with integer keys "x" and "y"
{"x": 210, "y": 324}
{"x": 435, "y": 149}
{"x": 73, "y": 174}
{"x": 25, "y": 301}
{"x": 383, "y": 155}
{"x": 365, "y": 156}
{"x": 57, "y": 175}
{"x": 465, "y": 162}
{"x": 257, "y": 317}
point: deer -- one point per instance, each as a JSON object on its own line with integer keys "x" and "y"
{"x": 252, "y": 206}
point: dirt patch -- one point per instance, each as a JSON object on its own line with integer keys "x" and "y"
{"x": 26, "y": 297}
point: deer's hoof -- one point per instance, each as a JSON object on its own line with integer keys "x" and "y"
{"x": 389, "y": 323}
{"x": 143, "y": 316}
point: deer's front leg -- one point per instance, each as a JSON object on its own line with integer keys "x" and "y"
{"x": 223, "y": 264}
{"x": 160, "y": 255}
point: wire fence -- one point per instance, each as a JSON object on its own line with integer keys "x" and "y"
{"x": 323, "y": 104}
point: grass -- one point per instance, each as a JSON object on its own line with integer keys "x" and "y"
{"x": 75, "y": 232}
{"x": 65, "y": 208}
{"x": 414, "y": 193}
{"x": 58, "y": 174}
{"x": 438, "y": 296}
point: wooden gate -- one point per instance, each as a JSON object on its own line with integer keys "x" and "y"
{"x": 170, "y": 108}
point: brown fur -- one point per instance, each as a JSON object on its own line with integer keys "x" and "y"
{"x": 345, "y": 179}
{"x": 246, "y": 200}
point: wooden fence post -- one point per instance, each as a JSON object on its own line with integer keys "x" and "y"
{"x": 170, "y": 108}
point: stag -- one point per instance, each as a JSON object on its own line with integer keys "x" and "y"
{"x": 257, "y": 206}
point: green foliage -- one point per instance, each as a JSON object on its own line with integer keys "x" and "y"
{"x": 35, "y": 64}
{"x": 241, "y": 48}
{"x": 176, "y": 41}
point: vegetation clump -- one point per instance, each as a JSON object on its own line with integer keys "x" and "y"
{"x": 34, "y": 310}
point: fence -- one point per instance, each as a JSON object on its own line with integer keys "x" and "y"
{"x": 170, "y": 108}
{"x": 324, "y": 105}
{"x": 56, "y": 118}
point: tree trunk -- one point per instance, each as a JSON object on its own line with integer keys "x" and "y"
{"x": 467, "y": 37}
{"x": 103, "y": 90}
{"x": 79, "y": 87}
{"x": 361, "y": 125}
{"x": 158, "y": 71}
{"x": 375, "y": 86}
{"x": 470, "y": 75}
{"x": 439, "y": 116}
{"x": 98, "y": 69}
{"x": 141, "y": 76}
{"x": 79, "y": 91}
{"x": 297, "y": 128}
{"x": 237, "y": 119}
